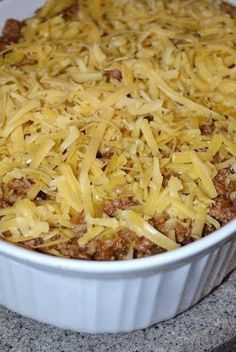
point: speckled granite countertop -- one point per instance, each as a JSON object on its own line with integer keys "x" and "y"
{"x": 209, "y": 326}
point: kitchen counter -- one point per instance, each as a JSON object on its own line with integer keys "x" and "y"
{"x": 208, "y": 326}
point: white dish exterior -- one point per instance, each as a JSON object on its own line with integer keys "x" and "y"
{"x": 98, "y": 297}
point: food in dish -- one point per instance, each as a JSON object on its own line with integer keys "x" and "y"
{"x": 118, "y": 127}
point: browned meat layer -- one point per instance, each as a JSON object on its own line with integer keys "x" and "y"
{"x": 111, "y": 206}
{"x": 114, "y": 74}
{"x": 3, "y": 43}
{"x": 31, "y": 244}
{"x": 208, "y": 229}
{"x": 159, "y": 222}
{"x": 4, "y": 203}
{"x": 70, "y": 11}
{"x": 80, "y": 218}
{"x": 117, "y": 248}
{"x": 12, "y": 30}
{"x": 25, "y": 62}
{"x": 80, "y": 230}
{"x": 11, "y": 33}
{"x": 150, "y": 118}
{"x": 223, "y": 183}
{"x": 125, "y": 132}
{"x": 207, "y": 128}
{"x": 217, "y": 158}
{"x": 178, "y": 41}
{"x": 145, "y": 248}
{"x": 228, "y": 8}
{"x": 20, "y": 187}
{"x": 106, "y": 249}
{"x": 13, "y": 190}
{"x": 80, "y": 226}
{"x": 224, "y": 209}
{"x": 105, "y": 154}
{"x": 182, "y": 234}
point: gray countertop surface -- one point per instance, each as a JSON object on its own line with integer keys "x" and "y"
{"x": 208, "y": 326}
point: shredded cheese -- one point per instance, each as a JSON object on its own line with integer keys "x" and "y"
{"x": 89, "y": 157}
{"x": 136, "y": 223}
{"x": 199, "y": 223}
{"x": 108, "y": 105}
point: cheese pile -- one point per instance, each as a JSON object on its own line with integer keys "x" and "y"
{"x": 59, "y": 111}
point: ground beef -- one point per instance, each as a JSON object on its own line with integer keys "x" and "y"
{"x": 20, "y": 187}
{"x": 80, "y": 230}
{"x": 98, "y": 249}
{"x": 70, "y": 11}
{"x": 125, "y": 132}
{"x": 217, "y": 158}
{"x": 208, "y": 229}
{"x": 80, "y": 226}
{"x": 182, "y": 234}
{"x": 3, "y": 43}
{"x": 15, "y": 189}
{"x": 11, "y": 33}
{"x": 178, "y": 41}
{"x": 12, "y": 30}
{"x": 110, "y": 206}
{"x": 159, "y": 222}
{"x": 110, "y": 249}
{"x": 207, "y": 128}
{"x": 113, "y": 249}
{"x": 223, "y": 209}
{"x": 150, "y": 118}
{"x": 71, "y": 250}
{"x": 80, "y": 219}
{"x": 25, "y": 62}
{"x": 31, "y": 244}
{"x": 114, "y": 74}
{"x": 106, "y": 154}
{"x": 4, "y": 203}
{"x": 228, "y": 8}
{"x": 223, "y": 184}
{"x": 145, "y": 248}
{"x": 166, "y": 175}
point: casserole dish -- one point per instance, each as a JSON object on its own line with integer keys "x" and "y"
{"x": 113, "y": 297}
{"x": 101, "y": 297}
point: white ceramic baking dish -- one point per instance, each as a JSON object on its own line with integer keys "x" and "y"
{"x": 114, "y": 296}
{"x": 101, "y": 297}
